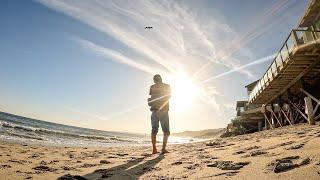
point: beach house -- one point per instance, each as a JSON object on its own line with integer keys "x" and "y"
{"x": 289, "y": 90}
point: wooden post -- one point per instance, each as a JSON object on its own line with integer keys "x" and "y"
{"x": 263, "y": 110}
{"x": 266, "y": 118}
{"x": 272, "y": 121}
{"x": 290, "y": 114}
{"x": 272, "y": 117}
{"x": 265, "y": 124}
{"x": 280, "y": 118}
{"x": 286, "y": 117}
{"x": 280, "y": 105}
{"x": 259, "y": 125}
{"x": 298, "y": 110}
{"x": 309, "y": 110}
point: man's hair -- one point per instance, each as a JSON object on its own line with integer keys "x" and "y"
{"x": 157, "y": 78}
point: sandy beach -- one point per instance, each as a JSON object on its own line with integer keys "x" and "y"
{"x": 283, "y": 153}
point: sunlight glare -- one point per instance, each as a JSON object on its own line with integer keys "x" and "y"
{"x": 184, "y": 90}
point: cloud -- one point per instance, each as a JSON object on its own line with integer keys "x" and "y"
{"x": 210, "y": 95}
{"x": 182, "y": 38}
{"x": 262, "y": 23}
{"x": 258, "y": 61}
{"x": 179, "y": 38}
{"x": 116, "y": 56}
{"x": 87, "y": 114}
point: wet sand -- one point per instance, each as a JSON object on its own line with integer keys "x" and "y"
{"x": 283, "y": 153}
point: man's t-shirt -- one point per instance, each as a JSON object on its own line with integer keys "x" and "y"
{"x": 160, "y": 94}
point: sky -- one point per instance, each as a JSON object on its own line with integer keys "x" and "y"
{"x": 90, "y": 63}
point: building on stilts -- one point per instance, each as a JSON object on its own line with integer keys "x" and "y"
{"x": 289, "y": 91}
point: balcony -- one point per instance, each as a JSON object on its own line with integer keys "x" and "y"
{"x": 299, "y": 52}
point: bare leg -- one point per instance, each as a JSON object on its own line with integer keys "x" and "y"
{"x": 165, "y": 140}
{"x": 154, "y": 140}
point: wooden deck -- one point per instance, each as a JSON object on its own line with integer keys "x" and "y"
{"x": 288, "y": 92}
{"x": 298, "y": 58}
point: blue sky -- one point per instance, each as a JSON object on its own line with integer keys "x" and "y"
{"x": 90, "y": 63}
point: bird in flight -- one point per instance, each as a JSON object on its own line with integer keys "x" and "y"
{"x": 148, "y": 27}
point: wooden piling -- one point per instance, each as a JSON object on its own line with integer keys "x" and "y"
{"x": 309, "y": 110}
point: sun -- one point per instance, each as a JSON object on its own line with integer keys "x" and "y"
{"x": 183, "y": 91}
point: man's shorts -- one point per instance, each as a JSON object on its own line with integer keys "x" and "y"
{"x": 163, "y": 118}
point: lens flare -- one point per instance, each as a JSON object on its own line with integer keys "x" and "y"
{"x": 183, "y": 91}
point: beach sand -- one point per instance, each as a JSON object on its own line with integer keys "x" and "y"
{"x": 283, "y": 153}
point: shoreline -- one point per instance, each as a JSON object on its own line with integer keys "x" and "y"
{"x": 186, "y": 140}
{"x": 282, "y": 153}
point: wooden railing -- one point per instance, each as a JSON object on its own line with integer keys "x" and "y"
{"x": 295, "y": 40}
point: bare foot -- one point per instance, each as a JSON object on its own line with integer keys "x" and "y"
{"x": 164, "y": 151}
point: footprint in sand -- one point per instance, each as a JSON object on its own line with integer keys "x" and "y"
{"x": 5, "y": 166}
{"x": 87, "y": 165}
{"x": 34, "y": 156}
{"x": 255, "y": 153}
{"x": 19, "y": 161}
{"x": 280, "y": 145}
{"x": 228, "y": 165}
{"x": 298, "y": 146}
{"x": 193, "y": 166}
{"x": 239, "y": 152}
{"x": 67, "y": 168}
{"x": 231, "y": 173}
{"x": 44, "y": 168}
{"x": 122, "y": 154}
{"x": 286, "y": 164}
{"x": 252, "y": 147}
{"x": 176, "y": 163}
{"x": 104, "y": 162}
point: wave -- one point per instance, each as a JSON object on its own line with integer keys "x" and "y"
{"x": 24, "y": 136}
{"x": 59, "y": 134}
{"x": 10, "y": 125}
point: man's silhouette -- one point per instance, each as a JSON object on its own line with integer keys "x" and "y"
{"x": 159, "y": 103}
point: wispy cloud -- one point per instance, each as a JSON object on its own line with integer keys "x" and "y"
{"x": 84, "y": 113}
{"x": 179, "y": 38}
{"x": 262, "y": 23}
{"x": 256, "y": 62}
{"x": 116, "y": 56}
{"x": 210, "y": 95}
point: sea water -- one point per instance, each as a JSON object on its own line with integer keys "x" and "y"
{"x": 27, "y": 130}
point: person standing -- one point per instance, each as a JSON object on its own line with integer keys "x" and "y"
{"x": 159, "y": 106}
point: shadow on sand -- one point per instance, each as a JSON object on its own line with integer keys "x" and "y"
{"x": 131, "y": 170}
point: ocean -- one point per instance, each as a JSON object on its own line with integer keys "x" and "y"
{"x": 26, "y": 130}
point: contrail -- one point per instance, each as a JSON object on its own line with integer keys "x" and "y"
{"x": 259, "y": 61}
{"x": 88, "y": 114}
{"x": 260, "y": 26}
